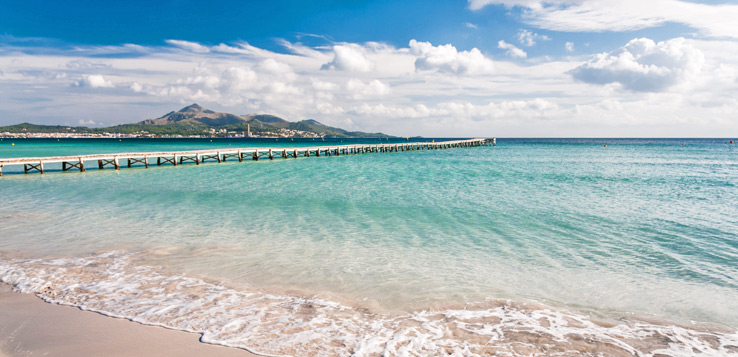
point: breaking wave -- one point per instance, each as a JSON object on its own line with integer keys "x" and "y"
{"x": 272, "y": 324}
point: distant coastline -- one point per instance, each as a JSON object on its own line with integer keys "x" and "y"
{"x": 193, "y": 121}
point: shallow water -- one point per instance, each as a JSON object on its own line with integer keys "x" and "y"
{"x": 522, "y": 248}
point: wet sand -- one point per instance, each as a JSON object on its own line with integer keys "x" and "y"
{"x": 31, "y": 327}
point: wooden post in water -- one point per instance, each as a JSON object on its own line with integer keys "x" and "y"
{"x": 177, "y": 157}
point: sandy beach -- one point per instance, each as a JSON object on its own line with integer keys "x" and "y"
{"x": 31, "y": 327}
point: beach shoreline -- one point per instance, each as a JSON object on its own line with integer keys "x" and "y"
{"x": 30, "y": 326}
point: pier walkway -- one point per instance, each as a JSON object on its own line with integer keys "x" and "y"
{"x": 36, "y": 164}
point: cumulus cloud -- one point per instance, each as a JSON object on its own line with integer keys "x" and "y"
{"x": 643, "y": 65}
{"x": 511, "y": 50}
{"x": 189, "y": 46}
{"x": 323, "y": 85}
{"x": 528, "y": 38}
{"x": 403, "y": 94}
{"x": 273, "y": 66}
{"x": 267, "y": 81}
{"x": 535, "y": 108}
{"x": 623, "y": 15}
{"x": 93, "y": 81}
{"x": 447, "y": 59}
{"x": 360, "y": 89}
{"x": 88, "y": 122}
{"x": 349, "y": 57}
{"x": 136, "y": 87}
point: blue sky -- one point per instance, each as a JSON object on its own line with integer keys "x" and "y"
{"x": 454, "y": 68}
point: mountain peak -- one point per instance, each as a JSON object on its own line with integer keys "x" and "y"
{"x": 191, "y": 108}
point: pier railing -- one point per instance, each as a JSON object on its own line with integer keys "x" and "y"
{"x": 115, "y": 160}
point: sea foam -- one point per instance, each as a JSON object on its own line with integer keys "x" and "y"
{"x": 112, "y": 284}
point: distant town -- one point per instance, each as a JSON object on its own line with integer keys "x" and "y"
{"x": 70, "y": 132}
{"x": 192, "y": 121}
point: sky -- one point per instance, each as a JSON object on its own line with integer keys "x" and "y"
{"x": 494, "y": 68}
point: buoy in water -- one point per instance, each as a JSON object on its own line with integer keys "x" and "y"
{"x": 605, "y": 145}
{"x": 731, "y": 141}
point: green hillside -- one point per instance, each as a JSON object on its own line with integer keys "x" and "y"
{"x": 196, "y": 120}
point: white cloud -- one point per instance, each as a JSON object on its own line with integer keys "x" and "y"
{"x": 569, "y": 46}
{"x": 88, "y": 122}
{"x": 136, "y": 87}
{"x": 622, "y": 15}
{"x": 323, "y": 85}
{"x": 446, "y": 59}
{"x": 643, "y": 65}
{"x": 511, "y": 50}
{"x": 349, "y": 57}
{"x": 361, "y": 90}
{"x": 535, "y": 108}
{"x": 272, "y": 66}
{"x": 427, "y": 90}
{"x": 189, "y": 46}
{"x": 471, "y": 25}
{"x": 479, "y": 4}
{"x": 93, "y": 81}
{"x": 86, "y": 65}
{"x": 528, "y": 38}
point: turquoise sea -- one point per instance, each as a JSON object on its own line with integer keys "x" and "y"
{"x": 531, "y": 247}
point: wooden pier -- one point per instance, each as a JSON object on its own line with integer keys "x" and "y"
{"x": 78, "y": 162}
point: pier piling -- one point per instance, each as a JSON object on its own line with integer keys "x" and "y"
{"x": 221, "y": 155}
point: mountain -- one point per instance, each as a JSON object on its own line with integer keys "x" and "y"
{"x": 194, "y": 114}
{"x": 196, "y": 120}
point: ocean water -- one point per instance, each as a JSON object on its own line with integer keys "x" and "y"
{"x": 531, "y": 247}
